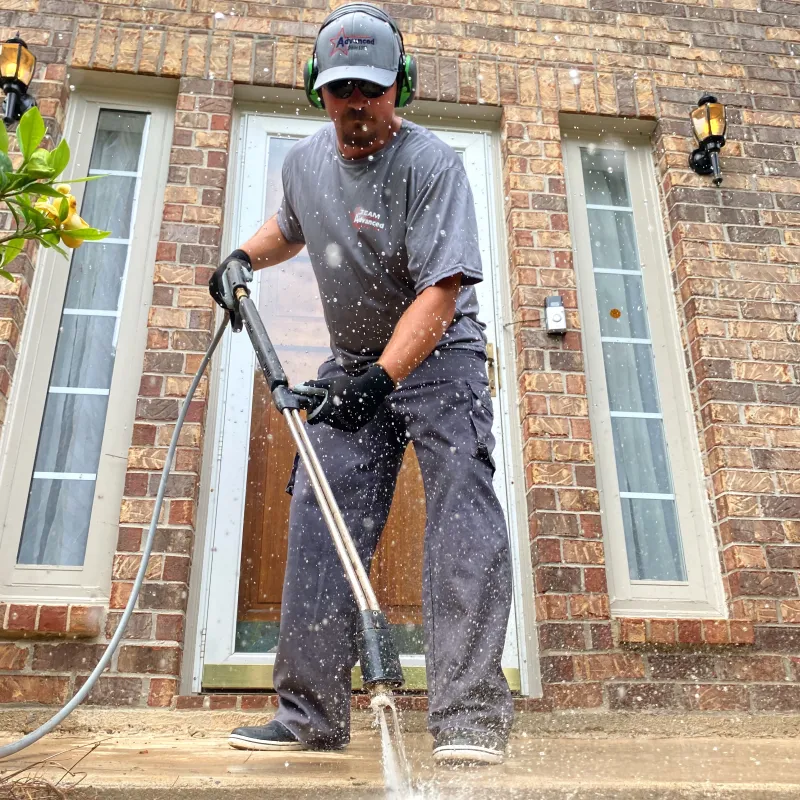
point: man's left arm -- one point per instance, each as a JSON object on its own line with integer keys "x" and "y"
{"x": 420, "y": 328}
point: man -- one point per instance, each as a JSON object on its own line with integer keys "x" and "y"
{"x": 387, "y": 215}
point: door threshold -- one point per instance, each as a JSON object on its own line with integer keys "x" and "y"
{"x": 259, "y": 676}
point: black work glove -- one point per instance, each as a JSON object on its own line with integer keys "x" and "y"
{"x": 352, "y": 401}
{"x": 220, "y": 288}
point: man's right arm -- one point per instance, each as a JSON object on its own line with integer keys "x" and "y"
{"x": 268, "y": 246}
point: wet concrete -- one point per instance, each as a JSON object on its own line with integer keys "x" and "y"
{"x": 560, "y": 724}
{"x": 161, "y": 767}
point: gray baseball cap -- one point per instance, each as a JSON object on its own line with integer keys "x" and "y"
{"x": 357, "y": 46}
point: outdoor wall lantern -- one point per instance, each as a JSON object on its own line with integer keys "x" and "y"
{"x": 708, "y": 124}
{"x": 16, "y": 72}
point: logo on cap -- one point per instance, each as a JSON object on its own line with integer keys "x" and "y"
{"x": 343, "y": 42}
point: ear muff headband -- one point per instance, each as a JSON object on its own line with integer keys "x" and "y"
{"x": 406, "y": 68}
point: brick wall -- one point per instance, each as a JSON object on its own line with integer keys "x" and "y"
{"x": 733, "y": 257}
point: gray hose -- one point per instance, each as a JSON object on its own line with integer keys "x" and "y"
{"x": 80, "y": 695}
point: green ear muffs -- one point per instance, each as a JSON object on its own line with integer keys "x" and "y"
{"x": 309, "y": 78}
{"x": 406, "y": 81}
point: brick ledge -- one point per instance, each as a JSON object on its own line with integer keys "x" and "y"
{"x": 639, "y": 632}
{"x": 39, "y": 621}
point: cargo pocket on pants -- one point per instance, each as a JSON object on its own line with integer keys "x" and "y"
{"x": 481, "y": 416}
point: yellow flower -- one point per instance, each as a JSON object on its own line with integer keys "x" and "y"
{"x": 72, "y": 222}
{"x": 49, "y": 209}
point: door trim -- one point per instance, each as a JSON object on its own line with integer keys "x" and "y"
{"x": 247, "y": 677}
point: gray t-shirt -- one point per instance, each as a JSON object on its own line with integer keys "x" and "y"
{"x": 379, "y": 230}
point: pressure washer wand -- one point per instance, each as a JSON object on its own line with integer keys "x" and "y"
{"x": 380, "y": 662}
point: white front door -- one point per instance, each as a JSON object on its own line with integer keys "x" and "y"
{"x": 229, "y": 653}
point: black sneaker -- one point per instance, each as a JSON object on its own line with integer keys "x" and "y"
{"x": 468, "y": 747}
{"x": 272, "y": 736}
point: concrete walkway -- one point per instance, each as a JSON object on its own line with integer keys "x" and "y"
{"x": 159, "y": 766}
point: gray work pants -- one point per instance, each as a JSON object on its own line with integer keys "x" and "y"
{"x": 445, "y": 409}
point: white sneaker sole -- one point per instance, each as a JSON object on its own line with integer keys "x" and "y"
{"x": 467, "y": 754}
{"x": 246, "y": 743}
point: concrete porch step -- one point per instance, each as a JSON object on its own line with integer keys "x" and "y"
{"x": 163, "y": 767}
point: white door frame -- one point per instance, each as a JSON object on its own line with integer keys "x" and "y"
{"x": 218, "y": 596}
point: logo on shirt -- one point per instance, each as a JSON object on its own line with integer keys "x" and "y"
{"x": 343, "y": 42}
{"x": 363, "y": 218}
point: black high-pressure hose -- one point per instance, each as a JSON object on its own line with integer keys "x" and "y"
{"x": 80, "y": 695}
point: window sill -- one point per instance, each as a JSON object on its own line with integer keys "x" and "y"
{"x": 664, "y": 633}
{"x": 19, "y": 621}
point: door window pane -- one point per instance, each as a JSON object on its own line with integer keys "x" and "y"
{"x": 604, "y": 177}
{"x": 58, "y": 513}
{"x": 85, "y": 352}
{"x": 57, "y": 522}
{"x": 620, "y": 301}
{"x": 641, "y": 453}
{"x": 72, "y": 433}
{"x": 631, "y": 377}
{"x": 649, "y": 514}
{"x": 95, "y": 277}
{"x": 118, "y": 141}
{"x": 652, "y": 540}
{"x": 108, "y": 204}
{"x": 613, "y": 239}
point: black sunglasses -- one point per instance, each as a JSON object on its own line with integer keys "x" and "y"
{"x": 343, "y": 89}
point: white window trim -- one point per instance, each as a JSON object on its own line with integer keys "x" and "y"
{"x": 702, "y": 594}
{"x": 91, "y": 582}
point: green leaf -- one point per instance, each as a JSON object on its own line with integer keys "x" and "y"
{"x": 87, "y": 234}
{"x": 5, "y": 161}
{"x": 11, "y": 250}
{"x": 7, "y": 275}
{"x": 63, "y": 209}
{"x": 36, "y": 218}
{"x": 3, "y": 139}
{"x": 51, "y": 241}
{"x": 83, "y": 180}
{"x": 46, "y": 190}
{"x": 14, "y": 214}
{"x": 17, "y": 181}
{"x": 39, "y": 165}
{"x": 59, "y": 158}
{"x": 30, "y": 132}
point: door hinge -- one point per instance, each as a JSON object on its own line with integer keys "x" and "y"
{"x": 491, "y": 366}
{"x": 203, "y": 643}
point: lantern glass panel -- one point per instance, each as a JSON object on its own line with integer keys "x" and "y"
{"x": 716, "y": 119}
{"x": 700, "y": 124}
{"x": 9, "y": 53}
{"x": 16, "y": 61}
